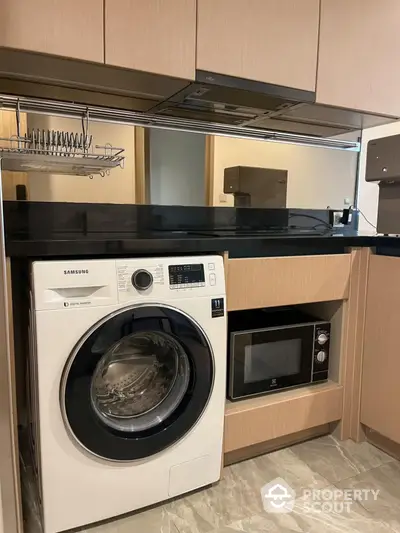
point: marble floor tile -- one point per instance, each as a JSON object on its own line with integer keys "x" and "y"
{"x": 341, "y": 516}
{"x": 262, "y": 523}
{"x": 335, "y": 460}
{"x": 308, "y": 517}
{"x": 385, "y": 478}
{"x": 287, "y": 465}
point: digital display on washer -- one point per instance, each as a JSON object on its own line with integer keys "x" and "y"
{"x": 186, "y": 274}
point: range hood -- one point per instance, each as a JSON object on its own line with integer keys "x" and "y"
{"x": 234, "y": 101}
{"x": 211, "y": 100}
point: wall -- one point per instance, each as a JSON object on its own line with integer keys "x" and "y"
{"x": 8, "y": 128}
{"x": 368, "y": 192}
{"x": 317, "y": 177}
{"x": 118, "y": 187}
{"x": 177, "y": 168}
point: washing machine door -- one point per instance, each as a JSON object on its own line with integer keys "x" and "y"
{"x": 137, "y": 382}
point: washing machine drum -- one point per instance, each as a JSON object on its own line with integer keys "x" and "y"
{"x": 137, "y": 382}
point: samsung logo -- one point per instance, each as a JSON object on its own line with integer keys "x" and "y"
{"x": 66, "y": 272}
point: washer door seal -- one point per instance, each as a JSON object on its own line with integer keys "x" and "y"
{"x": 137, "y": 382}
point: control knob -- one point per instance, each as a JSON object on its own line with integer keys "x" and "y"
{"x": 142, "y": 279}
{"x": 322, "y": 338}
{"x": 321, "y": 356}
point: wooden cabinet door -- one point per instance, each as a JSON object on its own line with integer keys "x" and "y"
{"x": 380, "y": 397}
{"x": 72, "y": 28}
{"x": 152, "y": 35}
{"x": 272, "y": 41}
{"x": 359, "y": 51}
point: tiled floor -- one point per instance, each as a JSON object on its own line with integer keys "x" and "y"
{"x": 235, "y": 503}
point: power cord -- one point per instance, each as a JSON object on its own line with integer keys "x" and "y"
{"x": 320, "y": 220}
{"x": 357, "y": 210}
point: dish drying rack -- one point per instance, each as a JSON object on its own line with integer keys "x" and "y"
{"x": 58, "y": 152}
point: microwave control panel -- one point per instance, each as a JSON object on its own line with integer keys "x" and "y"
{"x": 322, "y": 333}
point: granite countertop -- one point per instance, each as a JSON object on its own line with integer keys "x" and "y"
{"x": 51, "y": 230}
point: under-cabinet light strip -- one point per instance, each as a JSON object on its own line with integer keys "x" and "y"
{"x": 147, "y": 120}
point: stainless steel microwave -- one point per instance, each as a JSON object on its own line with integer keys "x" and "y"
{"x": 271, "y": 350}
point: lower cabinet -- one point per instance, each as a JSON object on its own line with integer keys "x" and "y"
{"x": 272, "y": 281}
{"x": 322, "y": 286}
{"x": 380, "y": 396}
{"x": 256, "y": 420}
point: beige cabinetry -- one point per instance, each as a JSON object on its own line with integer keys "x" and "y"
{"x": 288, "y": 412}
{"x": 328, "y": 287}
{"x": 380, "y": 397}
{"x": 291, "y": 280}
{"x": 71, "y": 29}
{"x": 154, "y": 36}
{"x": 272, "y": 41}
{"x": 359, "y": 55}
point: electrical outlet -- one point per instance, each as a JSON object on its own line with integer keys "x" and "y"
{"x": 337, "y": 217}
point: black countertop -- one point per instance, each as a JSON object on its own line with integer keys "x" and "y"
{"x": 54, "y": 230}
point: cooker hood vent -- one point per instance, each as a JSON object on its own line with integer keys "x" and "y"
{"x": 237, "y": 102}
{"x": 212, "y": 103}
{"x": 150, "y": 120}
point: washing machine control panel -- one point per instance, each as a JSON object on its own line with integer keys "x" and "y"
{"x": 165, "y": 278}
{"x": 186, "y": 276}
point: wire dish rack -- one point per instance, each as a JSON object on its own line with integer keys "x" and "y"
{"x": 58, "y": 152}
{"x": 100, "y": 161}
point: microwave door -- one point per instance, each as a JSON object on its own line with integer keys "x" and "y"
{"x": 272, "y": 359}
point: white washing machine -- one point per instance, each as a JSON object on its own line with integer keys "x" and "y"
{"x": 128, "y": 366}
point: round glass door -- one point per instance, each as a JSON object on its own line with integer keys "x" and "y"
{"x": 140, "y": 381}
{"x": 137, "y": 382}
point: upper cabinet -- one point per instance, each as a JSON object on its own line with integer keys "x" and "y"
{"x": 71, "y": 29}
{"x": 272, "y": 41}
{"x": 152, "y": 35}
{"x": 359, "y": 52}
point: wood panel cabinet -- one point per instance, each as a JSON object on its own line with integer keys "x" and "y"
{"x": 270, "y": 282}
{"x": 71, "y": 29}
{"x": 154, "y": 36}
{"x": 288, "y": 412}
{"x": 272, "y": 41}
{"x": 359, "y": 55}
{"x": 380, "y": 396}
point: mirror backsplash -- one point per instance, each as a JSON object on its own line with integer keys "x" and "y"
{"x": 165, "y": 167}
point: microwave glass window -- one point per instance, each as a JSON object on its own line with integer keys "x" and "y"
{"x": 272, "y": 360}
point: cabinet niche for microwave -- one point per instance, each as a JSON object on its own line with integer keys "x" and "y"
{"x": 275, "y": 349}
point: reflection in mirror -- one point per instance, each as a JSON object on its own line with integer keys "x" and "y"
{"x": 164, "y": 167}
{"x": 191, "y": 169}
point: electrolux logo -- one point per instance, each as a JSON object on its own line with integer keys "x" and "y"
{"x": 82, "y": 271}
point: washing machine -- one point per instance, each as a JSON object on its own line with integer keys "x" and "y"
{"x": 128, "y": 379}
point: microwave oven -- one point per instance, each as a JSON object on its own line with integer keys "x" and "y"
{"x": 271, "y": 350}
